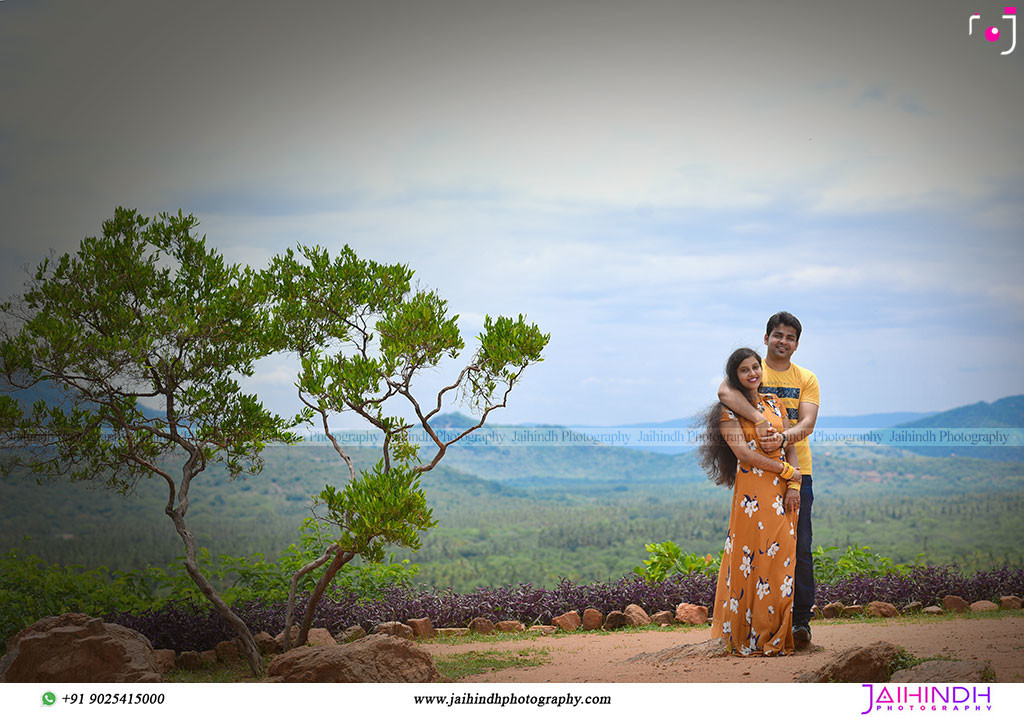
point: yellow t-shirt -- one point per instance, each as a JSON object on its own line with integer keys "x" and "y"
{"x": 792, "y": 386}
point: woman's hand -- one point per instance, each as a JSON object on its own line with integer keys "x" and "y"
{"x": 770, "y": 439}
{"x": 791, "y": 501}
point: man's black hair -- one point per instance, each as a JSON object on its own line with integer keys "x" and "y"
{"x": 786, "y": 319}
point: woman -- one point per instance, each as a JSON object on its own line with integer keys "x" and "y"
{"x": 754, "y": 599}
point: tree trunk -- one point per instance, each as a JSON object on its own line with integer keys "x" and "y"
{"x": 289, "y": 612}
{"x": 318, "y": 592}
{"x": 252, "y": 653}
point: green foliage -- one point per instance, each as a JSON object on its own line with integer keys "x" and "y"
{"x": 257, "y": 578}
{"x": 209, "y": 672}
{"x": 362, "y": 336}
{"x": 477, "y": 662}
{"x": 857, "y": 560}
{"x": 668, "y": 559}
{"x": 501, "y": 531}
{"x": 507, "y": 346}
{"x": 144, "y": 311}
{"x": 382, "y": 507}
{"x": 31, "y": 589}
{"x": 904, "y": 660}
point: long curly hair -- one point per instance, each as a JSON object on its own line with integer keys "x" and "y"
{"x": 714, "y": 454}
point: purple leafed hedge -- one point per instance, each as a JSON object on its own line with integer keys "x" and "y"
{"x": 184, "y": 627}
{"x": 925, "y": 584}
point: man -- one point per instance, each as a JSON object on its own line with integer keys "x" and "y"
{"x": 797, "y": 388}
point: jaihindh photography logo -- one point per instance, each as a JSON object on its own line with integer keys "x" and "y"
{"x": 921, "y": 698}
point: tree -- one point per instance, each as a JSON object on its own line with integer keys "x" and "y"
{"x": 146, "y": 311}
{"x": 363, "y": 336}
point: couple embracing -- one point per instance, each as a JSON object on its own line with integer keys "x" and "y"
{"x": 755, "y": 441}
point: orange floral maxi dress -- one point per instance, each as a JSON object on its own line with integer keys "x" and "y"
{"x": 753, "y": 606}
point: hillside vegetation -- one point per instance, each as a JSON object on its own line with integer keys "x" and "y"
{"x": 540, "y": 514}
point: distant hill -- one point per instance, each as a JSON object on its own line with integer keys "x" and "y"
{"x": 867, "y": 420}
{"x": 870, "y": 420}
{"x": 1005, "y": 413}
{"x": 54, "y": 397}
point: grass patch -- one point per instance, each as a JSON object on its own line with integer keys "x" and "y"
{"x": 904, "y": 661}
{"x": 527, "y": 635}
{"x": 918, "y": 617}
{"x": 493, "y": 637}
{"x": 215, "y": 672}
{"x": 455, "y": 667}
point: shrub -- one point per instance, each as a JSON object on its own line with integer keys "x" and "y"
{"x": 926, "y": 584}
{"x": 180, "y": 628}
{"x": 857, "y": 560}
{"x": 167, "y": 601}
{"x": 668, "y": 559}
{"x": 31, "y": 589}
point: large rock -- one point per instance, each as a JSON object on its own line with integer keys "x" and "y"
{"x": 279, "y": 639}
{"x": 164, "y": 660}
{"x": 395, "y": 628}
{"x": 422, "y": 627}
{"x": 592, "y": 619}
{"x": 877, "y": 608}
{"x": 481, "y": 625}
{"x": 375, "y": 658}
{"x": 955, "y": 602}
{"x": 228, "y": 651}
{"x": 265, "y": 643}
{"x": 690, "y": 614}
{"x": 509, "y": 626}
{"x": 983, "y": 606}
{"x": 663, "y": 617}
{"x": 637, "y": 616}
{"x": 1010, "y": 602}
{"x": 832, "y": 610}
{"x": 567, "y": 622}
{"x": 352, "y": 634}
{"x": 320, "y": 637}
{"x": 452, "y": 631}
{"x": 78, "y": 648}
{"x": 946, "y": 671}
{"x": 615, "y": 619}
{"x": 857, "y": 664}
{"x": 188, "y": 660}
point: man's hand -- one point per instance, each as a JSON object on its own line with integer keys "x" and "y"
{"x": 767, "y": 437}
{"x": 791, "y": 502}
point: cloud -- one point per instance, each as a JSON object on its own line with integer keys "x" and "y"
{"x": 646, "y": 182}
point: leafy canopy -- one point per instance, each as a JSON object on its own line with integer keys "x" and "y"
{"x": 145, "y": 311}
{"x": 363, "y": 335}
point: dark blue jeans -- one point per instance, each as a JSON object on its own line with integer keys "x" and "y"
{"x": 803, "y": 595}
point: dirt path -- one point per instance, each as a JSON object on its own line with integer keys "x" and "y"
{"x": 602, "y": 657}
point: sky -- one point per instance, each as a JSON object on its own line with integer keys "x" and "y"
{"x": 647, "y": 181}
